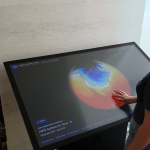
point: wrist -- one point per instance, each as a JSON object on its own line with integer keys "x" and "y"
{"x": 133, "y": 99}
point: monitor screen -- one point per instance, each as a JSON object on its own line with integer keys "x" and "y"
{"x": 66, "y": 95}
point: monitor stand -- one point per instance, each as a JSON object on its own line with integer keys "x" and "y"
{"x": 110, "y": 139}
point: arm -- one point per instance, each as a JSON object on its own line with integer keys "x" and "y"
{"x": 142, "y": 138}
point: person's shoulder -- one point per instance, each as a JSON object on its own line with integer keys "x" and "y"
{"x": 147, "y": 80}
{"x": 147, "y": 76}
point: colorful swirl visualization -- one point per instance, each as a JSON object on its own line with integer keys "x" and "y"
{"x": 94, "y": 86}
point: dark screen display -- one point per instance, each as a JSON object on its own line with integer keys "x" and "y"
{"x": 68, "y": 95}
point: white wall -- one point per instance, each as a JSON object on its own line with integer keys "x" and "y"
{"x": 145, "y": 36}
{"x": 39, "y": 27}
{"x": 34, "y": 27}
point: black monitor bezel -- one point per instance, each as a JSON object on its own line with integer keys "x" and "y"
{"x": 23, "y": 111}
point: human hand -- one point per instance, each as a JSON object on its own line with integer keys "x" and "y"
{"x": 124, "y": 97}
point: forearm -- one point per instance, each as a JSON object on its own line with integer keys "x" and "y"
{"x": 133, "y": 99}
{"x": 141, "y": 139}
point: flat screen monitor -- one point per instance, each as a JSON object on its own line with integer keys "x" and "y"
{"x": 66, "y": 97}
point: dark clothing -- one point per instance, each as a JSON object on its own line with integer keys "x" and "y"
{"x": 143, "y": 99}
